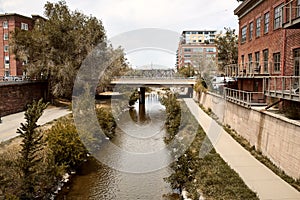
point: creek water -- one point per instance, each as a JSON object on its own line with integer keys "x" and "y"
{"x": 140, "y": 130}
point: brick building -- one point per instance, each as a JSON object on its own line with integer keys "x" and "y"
{"x": 8, "y": 23}
{"x": 196, "y": 48}
{"x": 269, "y": 52}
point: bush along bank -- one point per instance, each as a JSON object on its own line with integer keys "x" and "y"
{"x": 39, "y": 166}
{"x": 196, "y": 176}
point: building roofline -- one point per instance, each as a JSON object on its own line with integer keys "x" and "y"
{"x": 19, "y": 15}
{"x": 241, "y": 6}
{"x": 198, "y": 30}
{"x": 38, "y": 16}
{"x": 246, "y": 7}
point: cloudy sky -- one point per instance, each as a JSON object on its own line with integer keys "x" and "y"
{"x": 119, "y": 16}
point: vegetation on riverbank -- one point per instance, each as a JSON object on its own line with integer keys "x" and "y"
{"x": 207, "y": 176}
{"x": 256, "y": 153}
{"x": 33, "y": 167}
{"x": 263, "y": 159}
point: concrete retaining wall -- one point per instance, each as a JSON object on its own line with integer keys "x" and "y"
{"x": 274, "y": 135}
{"x": 15, "y": 96}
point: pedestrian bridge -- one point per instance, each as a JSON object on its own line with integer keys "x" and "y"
{"x": 153, "y": 81}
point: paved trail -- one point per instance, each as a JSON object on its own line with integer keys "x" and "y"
{"x": 10, "y": 123}
{"x": 257, "y": 176}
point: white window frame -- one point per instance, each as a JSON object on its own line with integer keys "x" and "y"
{"x": 276, "y": 61}
{"x": 24, "y": 26}
{"x": 6, "y": 48}
{"x": 266, "y": 22}
{"x": 244, "y": 34}
{"x": 278, "y": 17}
{"x": 5, "y": 24}
{"x": 6, "y": 59}
{"x": 5, "y": 36}
{"x": 250, "y": 30}
{"x": 258, "y": 27}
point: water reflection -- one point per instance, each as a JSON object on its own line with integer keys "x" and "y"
{"x": 140, "y": 130}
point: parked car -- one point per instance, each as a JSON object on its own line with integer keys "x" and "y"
{"x": 12, "y": 78}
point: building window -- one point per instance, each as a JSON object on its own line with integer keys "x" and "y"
{"x": 266, "y": 60}
{"x": 210, "y": 49}
{"x": 24, "y": 26}
{"x": 197, "y": 49}
{"x": 257, "y": 60}
{"x": 5, "y": 24}
{"x": 298, "y": 8}
{"x": 297, "y": 62}
{"x": 6, "y": 60}
{"x": 187, "y": 49}
{"x": 258, "y": 27}
{"x": 244, "y": 32}
{"x": 243, "y": 60}
{"x": 250, "y": 30}
{"x": 266, "y": 24}
{"x": 276, "y": 60}
{"x": 278, "y": 17}
{"x": 5, "y": 36}
{"x": 187, "y": 56}
{"x": 250, "y": 62}
{"x": 5, "y": 48}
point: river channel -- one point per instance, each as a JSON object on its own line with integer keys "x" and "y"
{"x": 140, "y": 130}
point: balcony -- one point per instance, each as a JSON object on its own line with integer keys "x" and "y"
{"x": 283, "y": 87}
{"x": 291, "y": 15}
{"x": 249, "y": 70}
{"x": 245, "y": 98}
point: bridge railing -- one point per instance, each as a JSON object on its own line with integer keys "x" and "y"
{"x": 152, "y": 78}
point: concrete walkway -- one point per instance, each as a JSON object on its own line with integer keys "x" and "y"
{"x": 256, "y": 176}
{"x": 10, "y": 123}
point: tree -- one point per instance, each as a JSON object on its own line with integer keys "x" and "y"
{"x": 227, "y": 45}
{"x": 31, "y": 145}
{"x": 57, "y": 46}
{"x": 187, "y": 70}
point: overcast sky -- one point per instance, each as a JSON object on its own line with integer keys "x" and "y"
{"x": 119, "y": 16}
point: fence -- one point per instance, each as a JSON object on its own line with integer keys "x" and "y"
{"x": 244, "y": 98}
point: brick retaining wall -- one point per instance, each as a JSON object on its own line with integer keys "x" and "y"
{"x": 275, "y": 136}
{"x": 15, "y": 96}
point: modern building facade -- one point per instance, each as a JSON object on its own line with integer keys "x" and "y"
{"x": 8, "y": 23}
{"x": 196, "y": 48}
{"x": 268, "y": 52}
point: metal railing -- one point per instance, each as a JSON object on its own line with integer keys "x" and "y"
{"x": 250, "y": 69}
{"x": 244, "y": 98}
{"x": 152, "y": 78}
{"x": 286, "y": 87}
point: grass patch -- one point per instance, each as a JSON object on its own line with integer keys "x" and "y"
{"x": 209, "y": 176}
{"x": 257, "y": 154}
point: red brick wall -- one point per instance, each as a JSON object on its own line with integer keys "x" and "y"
{"x": 15, "y": 96}
{"x": 274, "y": 40}
{"x": 14, "y": 21}
{"x": 292, "y": 42}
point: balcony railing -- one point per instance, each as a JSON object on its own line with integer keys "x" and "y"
{"x": 285, "y": 87}
{"x": 245, "y": 98}
{"x": 251, "y": 69}
{"x": 291, "y": 14}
